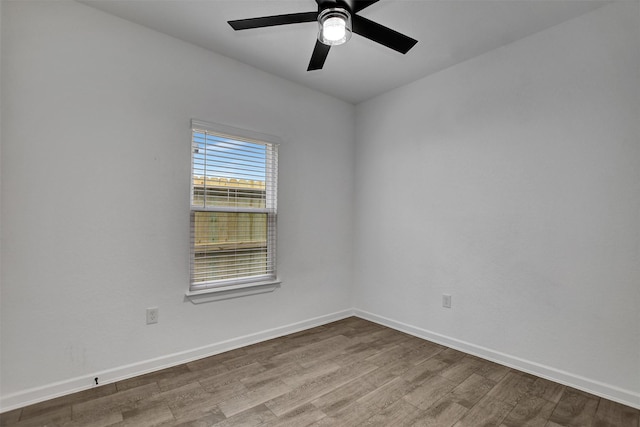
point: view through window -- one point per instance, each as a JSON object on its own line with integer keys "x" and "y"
{"x": 233, "y": 209}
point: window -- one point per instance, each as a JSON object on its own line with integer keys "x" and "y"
{"x": 233, "y": 207}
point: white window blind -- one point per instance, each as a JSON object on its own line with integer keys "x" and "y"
{"x": 233, "y": 206}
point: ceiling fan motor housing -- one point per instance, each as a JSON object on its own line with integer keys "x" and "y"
{"x": 347, "y": 5}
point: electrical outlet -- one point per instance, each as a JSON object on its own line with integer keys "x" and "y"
{"x": 446, "y": 301}
{"x": 152, "y": 315}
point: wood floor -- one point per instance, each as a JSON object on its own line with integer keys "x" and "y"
{"x": 347, "y": 373}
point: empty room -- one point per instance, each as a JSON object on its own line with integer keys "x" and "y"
{"x": 320, "y": 212}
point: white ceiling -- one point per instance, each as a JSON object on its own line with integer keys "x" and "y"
{"x": 448, "y": 32}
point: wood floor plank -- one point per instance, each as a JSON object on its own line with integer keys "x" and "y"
{"x": 376, "y": 338}
{"x": 57, "y": 416}
{"x": 262, "y": 355}
{"x": 360, "y": 410}
{"x": 387, "y": 394}
{"x": 275, "y": 373}
{"x": 258, "y": 415}
{"x": 354, "y": 353}
{"x": 512, "y": 388}
{"x": 326, "y": 422}
{"x": 370, "y": 332}
{"x": 247, "y": 360}
{"x": 300, "y": 417}
{"x": 51, "y": 405}
{"x": 460, "y": 370}
{"x": 310, "y": 371}
{"x": 444, "y": 413}
{"x": 347, "y": 373}
{"x": 153, "y": 377}
{"x": 322, "y": 359}
{"x": 354, "y": 414}
{"x": 191, "y": 402}
{"x": 178, "y": 381}
{"x": 399, "y": 413}
{"x": 424, "y": 370}
{"x": 449, "y": 356}
{"x": 231, "y": 378}
{"x": 471, "y": 390}
{"x": 390, "y": 371}
{"x": 487, "y": 412}
{"x": 147, "y": 416}
{"x": 380, "y": 376}
{"x": 105, "y": 420}
{"x": 309, "y": 337}
{"x": 427, "y": 349}
{"x": 222, "y": 392}
{"x": 386, "y": 356}
{"x": 414, "y": 353}
{"x": 343, "y": 396}
{"x": 121, "y": 401}
{"x": 318, "y": 387}
{"x": 257, "y": 396}
{"x": 531, "y": 411}
{"x": 612, "y": 414}
{"x": 491, "y": 370}
{"x": 430, "y": 391}
{"x": 547, "y": 390}
{"x": 311, "y": 351}
{"x": 10, "y": 417}
{"x": 575, "y": 408}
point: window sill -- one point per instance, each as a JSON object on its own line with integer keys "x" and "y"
{"x": 229, "y": 292}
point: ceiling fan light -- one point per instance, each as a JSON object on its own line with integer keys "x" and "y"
{"x": 334, "y": 26}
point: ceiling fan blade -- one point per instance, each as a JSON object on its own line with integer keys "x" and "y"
{"x": 270, "y": 21}
{"x": 383, "y": 35}
{"x": 361, "y": 4}
{"x": 319, "y": 55}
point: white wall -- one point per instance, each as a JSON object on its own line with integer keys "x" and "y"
{"x": 95, "y": 198}
{"x": 520, "y": 198}
{"x": 512, "y": 182}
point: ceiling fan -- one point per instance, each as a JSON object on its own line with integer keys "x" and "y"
{"x": 337, "y": 19}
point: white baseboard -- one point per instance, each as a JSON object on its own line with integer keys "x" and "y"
{"x": 85, "y": 382}
{"x": 616, "y": 394}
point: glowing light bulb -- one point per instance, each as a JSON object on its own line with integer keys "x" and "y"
{"x": 334, "y": 29}
{"x": 335, "y": 26}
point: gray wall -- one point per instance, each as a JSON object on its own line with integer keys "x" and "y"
{"x": 512, "y": 183}
{"x": 95, "y": 198}
{"x": 509, "y": 181}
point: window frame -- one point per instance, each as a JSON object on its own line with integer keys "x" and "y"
{"x": 246, "y": 284}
